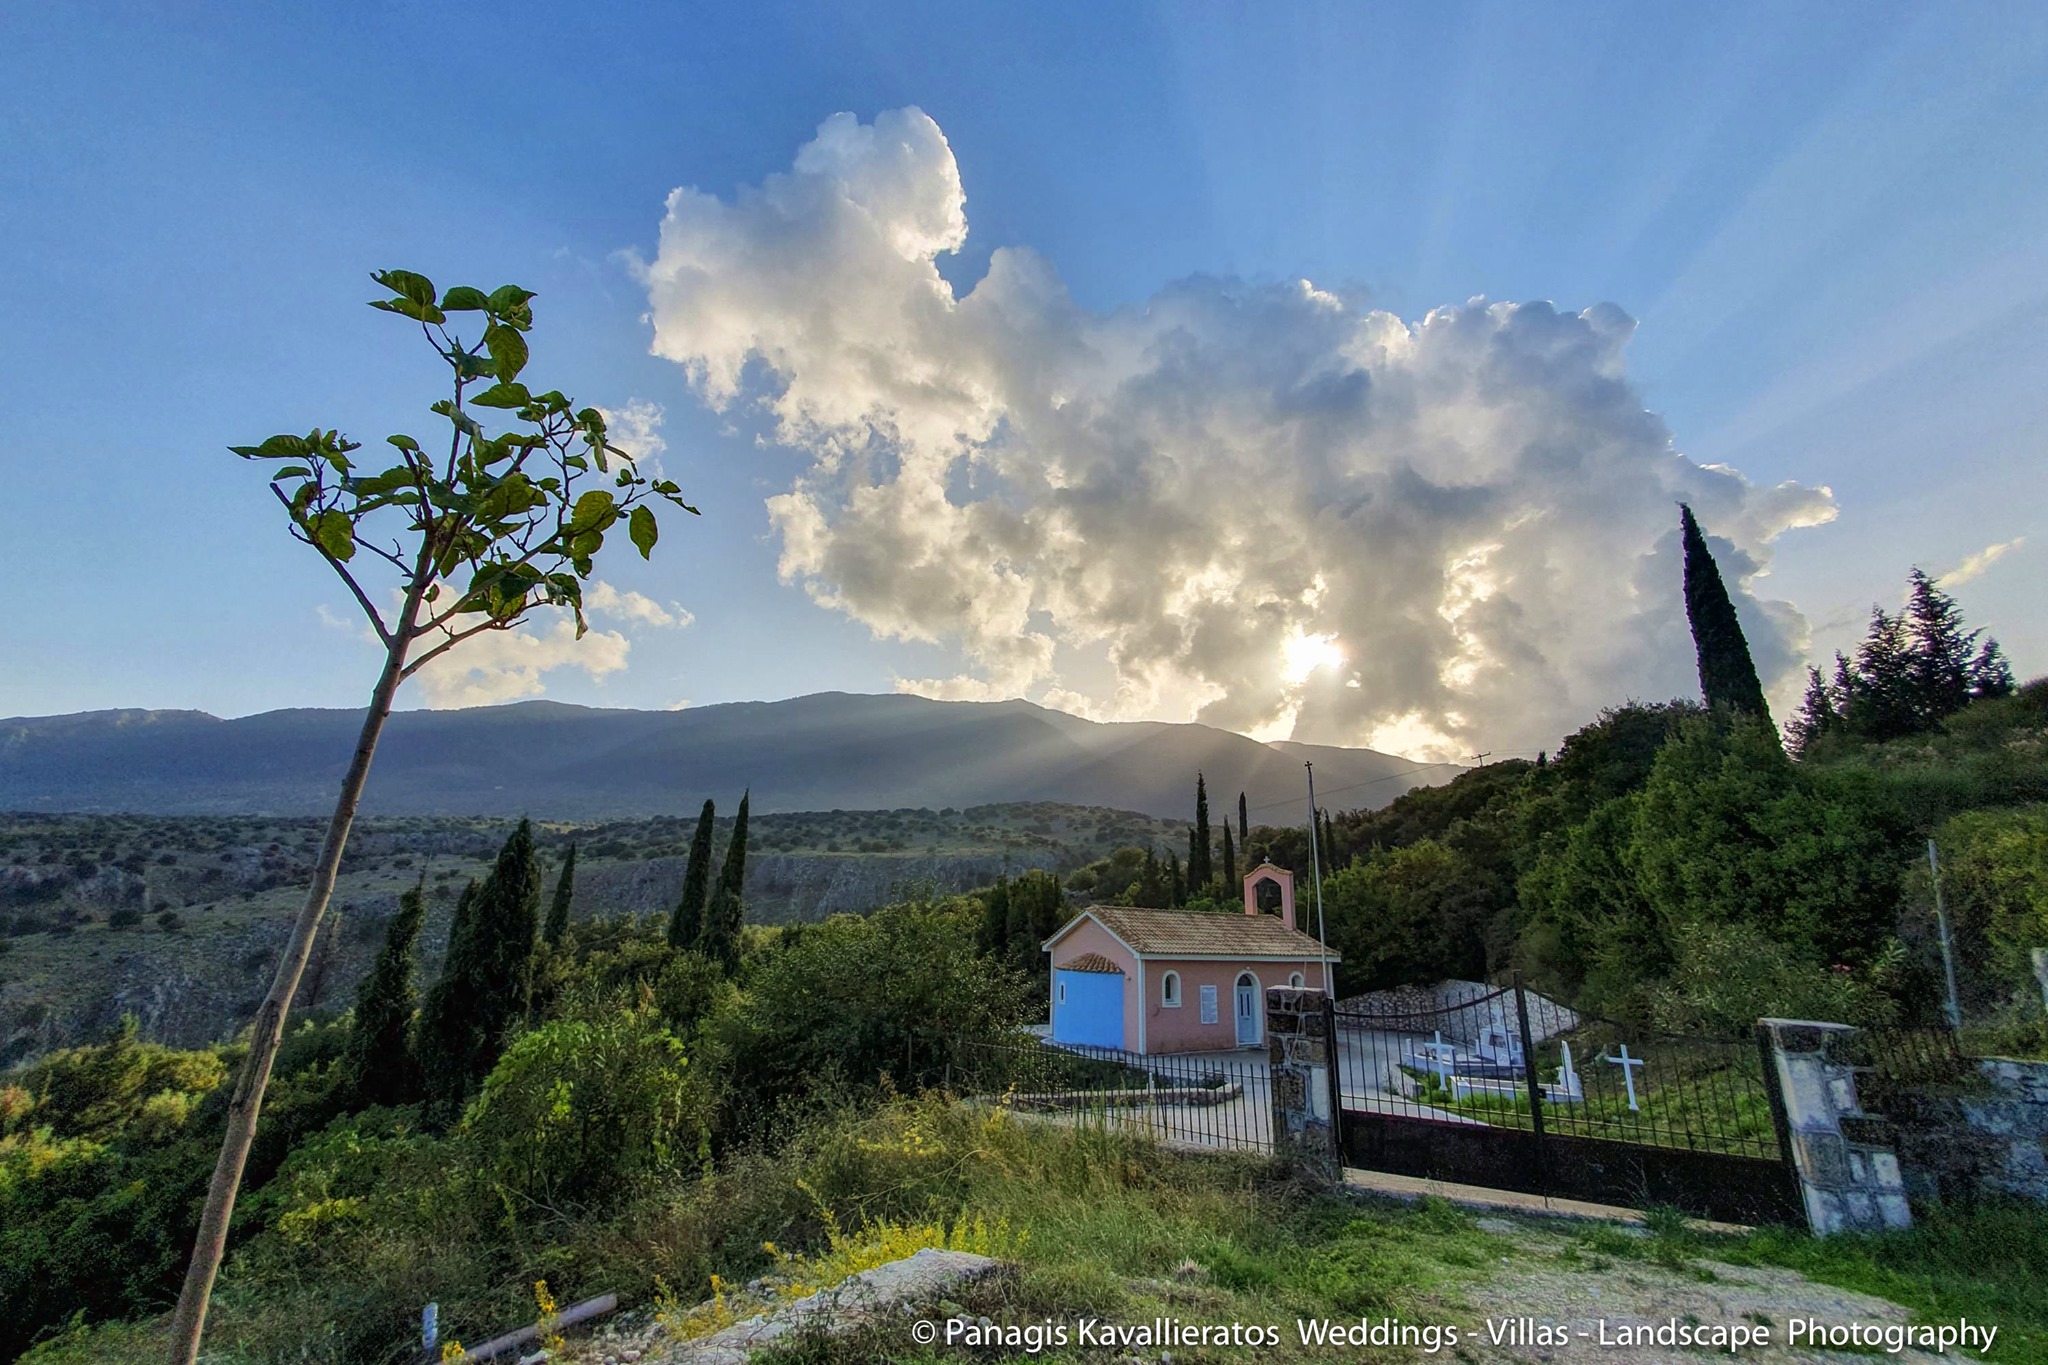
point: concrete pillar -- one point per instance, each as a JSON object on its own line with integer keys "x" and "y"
{"x": 1845, "y": 1159}
{"x": 1300, "y": 1049}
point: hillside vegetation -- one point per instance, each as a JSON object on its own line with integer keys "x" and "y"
{"x": 178, "y": 921}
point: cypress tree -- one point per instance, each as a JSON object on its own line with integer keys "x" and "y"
{"x": 1727, "y": 675}
{"x": 994, "y": 935}
{"x": 686, "y": 923}
{"x": 1177, "y": 887}
{"x": 1244, "y": 830}
{"x": 1229, "y": 862}
{"x": 1200, "y": 872}
{"x": 558, "y": 909}
{"x": 720, "y": 940}
{"x": 380, "y": 1065}
{"x": 486, "y": 983}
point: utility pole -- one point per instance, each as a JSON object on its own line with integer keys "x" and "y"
{"x": 1315, "y": 861}
{"x": 1480, "y": 758}
{"x": 1948, "y": 961}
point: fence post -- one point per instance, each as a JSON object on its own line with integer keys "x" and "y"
{"x": 1334, "y": 1043}
{"x": 1849, "y": 1178}
{"x": 1298, "y": 1041}
{"x": 1535, "y": 1079}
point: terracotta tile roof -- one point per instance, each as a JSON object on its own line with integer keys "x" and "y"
{"x": 1201, "y": 933}
{"x": 1091, "y": 962}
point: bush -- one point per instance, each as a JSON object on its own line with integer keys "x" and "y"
{"x": 127, "y": 917}
{"x": 584, "y": 1112}
{"x": 170, "y": 921}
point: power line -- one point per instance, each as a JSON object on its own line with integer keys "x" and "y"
{"x": 1369, "y": 782}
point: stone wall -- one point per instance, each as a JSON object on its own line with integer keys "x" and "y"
{"x": 1987, "y": 1135}
{"x": 1849, "y": 1177}
{"x": 1298, "y": 1046}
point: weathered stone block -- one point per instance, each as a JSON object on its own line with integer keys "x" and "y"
{"x": 1823, "y": 1159}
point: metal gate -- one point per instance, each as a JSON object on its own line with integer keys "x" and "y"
{"x": 1514, "y": 1092}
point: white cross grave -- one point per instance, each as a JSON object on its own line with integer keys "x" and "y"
{"x": 1441, "y": 1054}
{"x": 1628, "y": 1075}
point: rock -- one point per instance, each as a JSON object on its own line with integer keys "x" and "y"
{"x": 898, "y": 1286}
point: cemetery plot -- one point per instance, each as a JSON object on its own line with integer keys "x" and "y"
{"x": 1510, "y": 1091}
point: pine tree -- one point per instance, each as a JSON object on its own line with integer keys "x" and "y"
{"x": 720, "y": 940}
{"x": 1200, "y": 872}
{"x": 1942, "y": 650}
{"x": 1244, "y": 830}
{"x": 686, "y": 923}
{"x": 1881, "y": 701}
{"x": 486, "y": 979}
{"x": 1990, "y": 675}
{"x": 1727, "y": 674}
{"x": 1817, "y": 715}
{"x": 558, "y": 909}
{"x": 1230, "y": 886}
{"x": 379, "y": 1062}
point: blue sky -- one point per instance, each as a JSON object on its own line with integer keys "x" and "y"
{"x": 1825, "y": 220}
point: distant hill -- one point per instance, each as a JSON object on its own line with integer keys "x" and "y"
{"x": 832, "y": 750}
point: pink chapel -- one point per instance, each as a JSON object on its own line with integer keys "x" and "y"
{"x": 1153, "y": 981}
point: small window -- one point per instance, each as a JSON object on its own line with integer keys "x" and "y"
{"x": 1169, "y": 990}
{"x": 1208, "y": 1004}
{"x": 1063, "y": 992}
{"x": 1294, "y": 980}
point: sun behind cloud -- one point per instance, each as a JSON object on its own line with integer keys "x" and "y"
{"x": 1269, "y": 506}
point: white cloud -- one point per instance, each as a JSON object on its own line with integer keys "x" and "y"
{"x": 1975, "y": 565}
{"x": 636, "y": 429}
{"x": 602, "y": 599}
{"x": 499, "y": 666}
{"x": 1270, "y": 506}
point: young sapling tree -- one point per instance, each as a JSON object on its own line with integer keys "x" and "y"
{"x": 468, "y": 541}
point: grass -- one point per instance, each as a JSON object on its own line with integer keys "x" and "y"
{"x": 1095, "y": 1223}
{"x": 1987, "y": 1263}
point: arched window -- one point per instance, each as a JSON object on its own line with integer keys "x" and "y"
{"x": 1294, "y": 980}
{"x": 1169, "y": 990}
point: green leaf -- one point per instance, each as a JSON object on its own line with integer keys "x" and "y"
{"x": 509, "y": 296}
{"x": 463, "y": 299}
{"x": 333, "y": 532}
{"x": 404, "y": 442}
{"x": 503, "y": 395}
{"x": 508, "y": 351}
{"x": 417, "y": 288}
{"x": 594, "y": 511}
{"x": 643, "y": 530}
{"x": 291, "y": 471}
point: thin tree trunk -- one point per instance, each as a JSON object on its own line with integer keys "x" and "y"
{"x": 268, "y": 1031}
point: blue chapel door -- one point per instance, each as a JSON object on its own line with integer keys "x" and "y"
{"x": 1247, "y": 1010}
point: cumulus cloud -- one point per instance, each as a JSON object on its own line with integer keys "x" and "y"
{"x": 636, "y": 429}
{"x": 1974, "y": 565}
{"x": 1269, "y": 506}
{"x": 602, "y": 599}
{"x": 499, "y": 666}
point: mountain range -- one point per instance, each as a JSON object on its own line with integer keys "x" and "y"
{"x": 831, "y": 750}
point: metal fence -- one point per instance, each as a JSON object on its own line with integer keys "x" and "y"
{"x": 1891, "y": 1060}
{"x": 1196, "y": 1100}
{"x": 1595, "y": 1077}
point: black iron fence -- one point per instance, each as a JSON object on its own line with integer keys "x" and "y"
{"x": 1514, "y": 1092}
{"x": 1195, "y": 1100}
{"x": 1480, "y": 1061}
